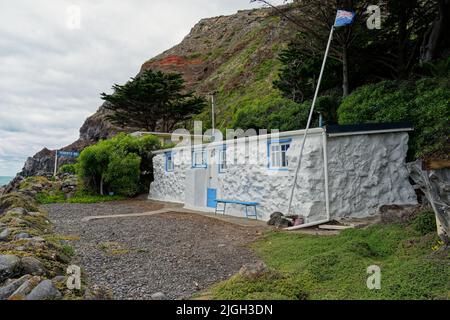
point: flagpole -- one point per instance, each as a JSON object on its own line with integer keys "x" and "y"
{"x": 56, "y": 164}
{"x": 316, "y": 94}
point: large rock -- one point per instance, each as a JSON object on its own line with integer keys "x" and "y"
{"x": 16, "y": 200}
{"x": 22, "y": 236}
{"x": 32, "y": 266}
{"x": 9, "y": 289}
{"x": 18, "y": 211}
{"x": 254, "y": 270}
{"x": 9, "y": 266}
{"x": 159, "y": 296}
{"x": 4, "y": 234}
{"x": 21, "y": 292}
{"x": 45, "y": 290}
{"x": 278, "y": 220}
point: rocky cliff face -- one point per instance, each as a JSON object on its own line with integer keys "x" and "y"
{"x": 233, "y": 55}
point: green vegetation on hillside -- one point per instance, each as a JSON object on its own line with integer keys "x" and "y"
{"x": 424, "y": 103}
{"x": 314, "y": 267}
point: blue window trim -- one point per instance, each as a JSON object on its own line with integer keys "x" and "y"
{"x": 280, "y": 141}
{"x": 194, "y": 166}
{"x": 166, "y": 158}
{"x": 222, "y": 148}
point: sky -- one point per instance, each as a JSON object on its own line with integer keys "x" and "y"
{"x": 57, "y": 56}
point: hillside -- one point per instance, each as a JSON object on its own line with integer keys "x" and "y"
{"x": 234, "y": 55}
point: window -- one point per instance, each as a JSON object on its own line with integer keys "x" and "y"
{"x": 169, "y": 162}
{"x": 278, "y": 159}
{"x": 199, "y": 159}
{"x": 223, "y": 166}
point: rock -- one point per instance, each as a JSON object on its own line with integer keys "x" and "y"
{"x": 9, "y": 289}
{"x": 34, "y": 214}
{"x": 278, "y": 220}
{"x": 254, "y": 270}
{"x": 4, "y": 234}
{"x": 16, "y": 222}
{"x": 45, "y": 290}
{"x": 59, "y": 279}
{"x": 159, "y": 296}
{"x": 22, "y": 236}
{"x": 97, "y": 292}
{"x": 18, "y": 211}
{"x": 32, "y": 266}
{"x": 9, "y": 267}
{"x": 25, "y": 289}
{"x": 37, "y": 239}
{"x": 396, "y": 213}
{"x": 16, "y": 200}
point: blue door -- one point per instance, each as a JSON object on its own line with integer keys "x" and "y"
{"x": 212, "y": 196}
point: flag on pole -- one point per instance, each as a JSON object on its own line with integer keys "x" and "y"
{"x": 344, "y": 18}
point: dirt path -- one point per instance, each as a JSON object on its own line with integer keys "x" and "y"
{"x": 174, "y": 253}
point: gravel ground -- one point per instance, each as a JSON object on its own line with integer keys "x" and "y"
{"x": 174, "y": 253}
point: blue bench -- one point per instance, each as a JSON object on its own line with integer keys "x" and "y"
{"x": 243, "y": 203}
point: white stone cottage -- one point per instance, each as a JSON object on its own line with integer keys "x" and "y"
{"x": 347, "y": 172}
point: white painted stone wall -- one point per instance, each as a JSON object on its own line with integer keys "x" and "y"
{"x": 170, "y": 186}
{"x": 365, "y": 172}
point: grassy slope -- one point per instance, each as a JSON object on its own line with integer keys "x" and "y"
{"x": 310, "y": 267}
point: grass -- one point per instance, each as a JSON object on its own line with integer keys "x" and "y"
{"x": 44, "y": 198}
{"x": 312, "y": 267}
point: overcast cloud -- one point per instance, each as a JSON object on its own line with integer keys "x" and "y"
{"x": 51, "y": 75}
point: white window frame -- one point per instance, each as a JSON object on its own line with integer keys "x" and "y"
{"x": 204, "y": 163}
{"x": 277, "y": 154}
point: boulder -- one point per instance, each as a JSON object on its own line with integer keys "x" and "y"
{"x": 9, "y": 267}
{"x": 4, "y": 234}
{"x": 32, "y": 266}
{"x": 278, "y": 220}
{"x": 16, "y": 222}
{"x": 254, "y": 270}
{"x": 21, "y": 292}
{"x": 397, "y": 213}
{"x": 18, "y": 211}
{"x": 9, "y": 289}
{"x": 45, "y": 290}
{"x": 16, "y": 200}
{"x": 159, "y": 296}
{"x": 21, "y": 236}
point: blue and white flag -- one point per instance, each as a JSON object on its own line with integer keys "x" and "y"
{"x": 344, "y": 18}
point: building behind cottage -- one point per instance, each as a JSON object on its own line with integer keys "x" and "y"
{"x": 347, "y": 172}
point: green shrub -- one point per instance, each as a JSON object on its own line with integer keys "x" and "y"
{"x": 122, "y": 165}
{"x": 68, "y": 168}
{"x": 425, "y": 223}
{"x": 123, "y": 174}
{"x": 46, "y": 198}
{"x": 424, "y": 103}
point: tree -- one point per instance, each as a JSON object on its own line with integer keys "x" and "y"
{"x": 153, "y": 100}
{"x": 122, "y": 165}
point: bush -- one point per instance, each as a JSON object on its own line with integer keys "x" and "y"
{"x": 425, "y": 223}
{"x": 68, "y": 168}
{"x": 424, "y": 103}
{"x": 282, "y": 114}
{"x": 122, "y": 165}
